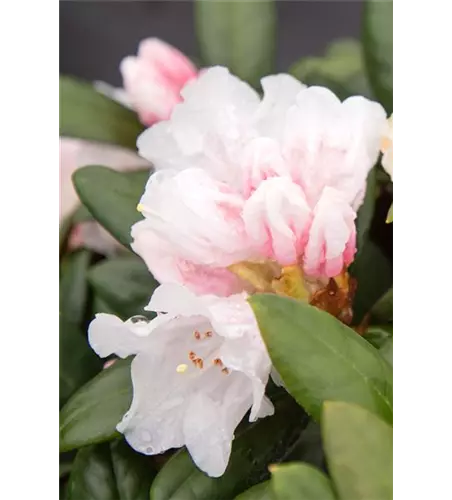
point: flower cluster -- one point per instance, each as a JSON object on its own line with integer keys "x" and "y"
{"x": 248, "y": 195}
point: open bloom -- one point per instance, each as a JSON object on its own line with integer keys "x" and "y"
{"x": 390, "y": 147}
{"x": 198, "y": 369}
{"x": 154, "y": 78}
{"x": 244, "y": 180}
{"x": 76, "y": 153}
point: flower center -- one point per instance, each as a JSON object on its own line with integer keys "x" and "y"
{"x": 333, "y": 295}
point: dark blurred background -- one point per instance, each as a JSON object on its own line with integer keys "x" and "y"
{"x": 96, "y": 35}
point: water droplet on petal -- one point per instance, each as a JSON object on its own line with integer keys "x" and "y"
{"x": 139, "y": 325}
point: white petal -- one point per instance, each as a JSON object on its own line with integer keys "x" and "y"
{"x": 280, "y": 92}
{"x": 175, "y": 207}
{"x": 210, "y": 423}
{"x": 108, "y": 334}
{"x": 161, "y": 392}
{"x": 276, "y": 217}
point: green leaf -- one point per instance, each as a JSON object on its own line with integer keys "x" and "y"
{"x": 319, "y": 358}
{"x": 74, "y": 286}
{"x": 101, "y": 306}
{"x": 377, "y": 43}
{"x": 377, "y": 335}
{"x": 373, "y": 273}
{"x": 124, "y": 283}
{"x": 87, "y": 114}
{"x": 298, "y": 481}
{"x": 112, "y": 197}
{"x": 65, "y": 229}
{"x": 258, "y": 445}
{"x": 309, "y": 448}
{"x": 383, "y": 309}
{"x": 358, "y": 446}
{"x": 110, "y": 472}
{"x": 93, "y": 412}
{"x": 386, "y": 350}
{"x": 366, "y": 211}
{"x": 78, "y": 363}
{"x": 261, "y": 491}
{"x": 341, "y": 69}
{"x": 238, "y": 35}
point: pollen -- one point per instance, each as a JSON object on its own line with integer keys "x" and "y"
{"x": 208, "y": 334}
{"x": 217, "y": 362}
{"x": 199, "y": 363}
{"x": 191, "y": 356}
{"x": 181, "y": 368}
{"x": 140, "y": 207}
{"x": 197, "y": 335}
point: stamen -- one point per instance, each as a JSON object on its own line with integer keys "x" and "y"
{"x": 225, "y": 371}
{"x": 208, "y": 334}
{"x": 191, "y": 356}
{"x": 197, "y": 335}
{"x": 199, "y": 363}
{"x": 181, "y": 368}
{"x": 217, "y": 362}
{"x": 140, "y": 207}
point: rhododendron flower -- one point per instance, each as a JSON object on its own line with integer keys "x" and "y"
{"x": 154, "y": 78}
{"x": 242, "y": 180}
{"x": 75, "y": 153}
{"x": 390, "y": 147}
{"x": 199, "y": 366}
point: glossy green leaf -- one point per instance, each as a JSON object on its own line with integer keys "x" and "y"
{"x": 87, "y": 114}
{"x": 383, "y": 309}
{"x": 238, "y": 35}
{"x": 366, "y": 211}
{"x": 299, "y": 481}
{"x": 78, "y": 363}
{"x": 341, "y": 69}
{"x": 112, "y": 197}
{"x": 253, "y": 450}
{"x": 124, "y": 283}
{"x": 373, "y": 273}
{"x": 319, "y": 358}
{"x": 74, "y": 286}
{"x": 377, "y": 335}
{"x": 93, "y": 412}
{"x": 358, "y": 446}
{"x": 261, "y": 491}
{"x": 377, "y": 43}
{"x": 110, "y": 472}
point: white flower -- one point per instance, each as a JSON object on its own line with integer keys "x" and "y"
{"x": 198, "y": 369}
{"x": 239, "y": 178}
{"x": 390, "y": 147}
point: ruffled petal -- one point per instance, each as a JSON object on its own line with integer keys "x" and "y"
{"x": 332, "y": 236}
{"x": 277, "y": 218}
{"x": 108, "y": 334}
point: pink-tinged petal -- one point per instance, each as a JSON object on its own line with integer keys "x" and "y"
{"x": 153, "y": 80}
{"x": 261, "y": 160}
{"x": 277, "y": 219}
{"x": 280, "y": 92}
{"x": 332, "y": 236}
{"x": 167, "y": 267}
{"x": 168, "y": 61}
{"x": 332, "y": 144}
{"x": 196, "y": 216}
